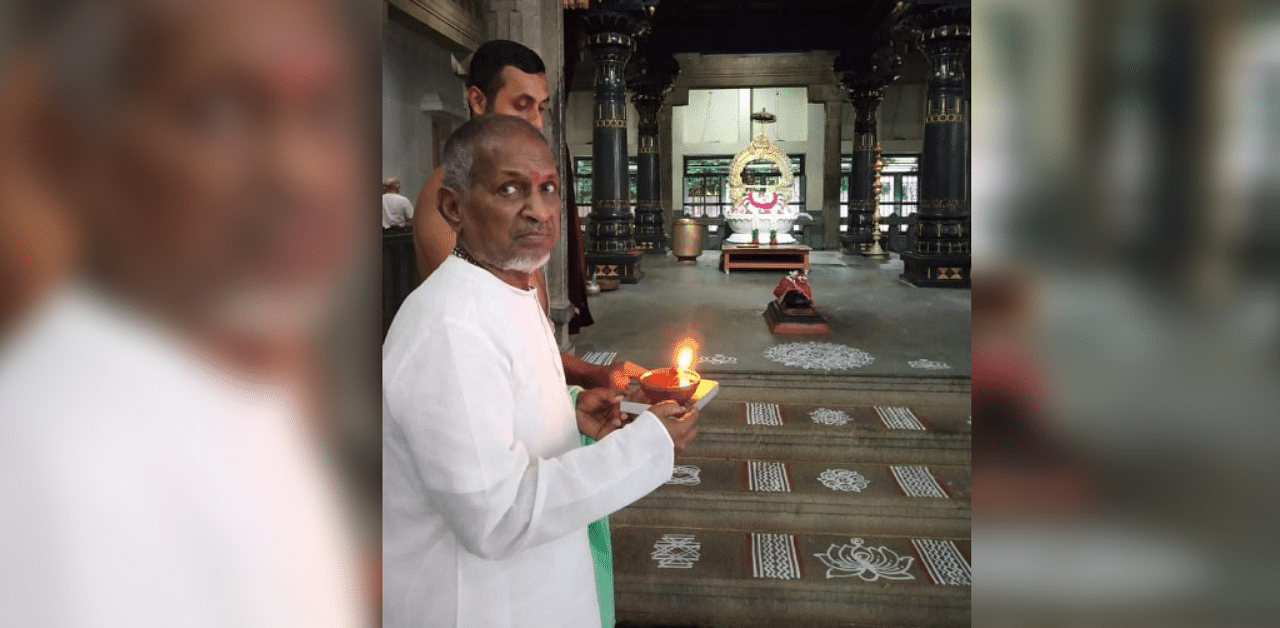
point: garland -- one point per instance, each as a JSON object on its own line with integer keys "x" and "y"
{"x": 752, "y": 199}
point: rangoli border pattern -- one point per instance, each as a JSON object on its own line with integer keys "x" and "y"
{"x": 899, "y": 418}
{"x": 917, "y": 481}
{"x": 763, "y": 413}
{"x": 602, "y": 358}
{"x": 928, "y": 364}
{"x": 717, "y": 359}
{"x": 943, "y": 562}
{"x": 774, "y": 556}
{"x": 767, "y": 477}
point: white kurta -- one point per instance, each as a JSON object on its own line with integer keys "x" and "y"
{"x": 140, "y": 487}
{"x": 487, "y": 492}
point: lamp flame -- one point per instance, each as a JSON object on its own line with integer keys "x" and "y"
{"x": 686, "y": 359}
{"x": 685, "y": 354}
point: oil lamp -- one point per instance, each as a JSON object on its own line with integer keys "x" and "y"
{"x": 678, "y": 383}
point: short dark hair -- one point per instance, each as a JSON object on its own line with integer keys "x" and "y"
{"x": 492, "y": 56}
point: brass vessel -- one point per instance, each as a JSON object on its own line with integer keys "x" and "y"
{"x": 687, "y": 238}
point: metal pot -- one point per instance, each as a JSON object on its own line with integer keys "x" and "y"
{"x": 687, "y": 238}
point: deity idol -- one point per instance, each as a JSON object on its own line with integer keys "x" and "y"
{"x": 760, "y": 197}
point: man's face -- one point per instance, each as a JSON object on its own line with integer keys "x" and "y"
{"x": 522, "y": 95}
{"x": 511, "y": 215}
{"x": 232, "y": 170}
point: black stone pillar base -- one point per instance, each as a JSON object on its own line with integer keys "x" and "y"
{"x": 650, "y": 232}
{"x": 625, "y": 267}
{"x": 936, "y": 271}
{"x": 853, "y": 244}
{"x": 652, "y": 248}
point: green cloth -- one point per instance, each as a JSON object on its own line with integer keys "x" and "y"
{"x": 601, "y": 548}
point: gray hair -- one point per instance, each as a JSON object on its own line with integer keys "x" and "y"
{"x": 483, "y": 133}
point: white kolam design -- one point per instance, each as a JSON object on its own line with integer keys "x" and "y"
{"x": 676, "y": 551}
{"x": 917, "y": 482}
{"x": 843, "y": 480}
{"x": 717, "y": 359}
{"x": 767, "y": 477}
{"x": 928, "y": 364}
{"x": 600, "y": 357}
{"x": 824, "y": 356}
{"x": 868, "y": 563}
{"x": 685, "y": 474}
{"x": 764, "y": 414}
{"x": 899, "y": 418}
{"x": 774, "y": 556}
{"x": 827, "y": 416}
{"x": 944, "y": 562}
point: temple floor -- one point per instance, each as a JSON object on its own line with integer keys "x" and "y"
{"x": 829, "y": 487}
{"x": 889, "y": 327}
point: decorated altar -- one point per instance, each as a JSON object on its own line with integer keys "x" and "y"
{"x": 760, "y": 186}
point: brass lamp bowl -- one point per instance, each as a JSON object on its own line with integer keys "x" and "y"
{"x": 669, "y": 384}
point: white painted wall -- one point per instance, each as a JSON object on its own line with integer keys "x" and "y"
{"x": 798, "y": 130}
{"x": 412, "y": 66}
{"x": 789, "y": 104}
{"x": 711, "y": 118}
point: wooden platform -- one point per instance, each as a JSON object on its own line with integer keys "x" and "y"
{"x": 764, "y": 257}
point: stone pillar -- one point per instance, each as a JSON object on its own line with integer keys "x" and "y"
{"x": 650, "y": 231}
{"x": 518, "y": 20}
{"x": 612, "y": 253}
{"x": 666, "y": 152}
{"x": 939, "y": 244}
{"x": 650, "y": 83}
{"x": 834, "y": 111}
{"x": 865, "y": 95}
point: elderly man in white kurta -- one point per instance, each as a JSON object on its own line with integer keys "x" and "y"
{"x": 487, "y": 491}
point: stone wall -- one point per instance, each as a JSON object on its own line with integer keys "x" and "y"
{"x": 416, "y": 70}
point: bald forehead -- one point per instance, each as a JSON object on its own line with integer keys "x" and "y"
{"x": 522, "y": 154}
{"x": 496, "y": 137}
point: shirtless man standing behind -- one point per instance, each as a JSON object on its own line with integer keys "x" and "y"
{"x": 507, "y": 78}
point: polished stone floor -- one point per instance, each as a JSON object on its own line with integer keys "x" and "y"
{"x": 871, "y": 314}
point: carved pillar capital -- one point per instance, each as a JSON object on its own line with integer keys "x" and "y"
{"x": 865, "y": 79}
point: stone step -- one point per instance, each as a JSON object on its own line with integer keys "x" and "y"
{"x": 810, "y": 497}
{"x": 819, "y": 387}
{"x": 671, "y": 575}
{"x": 916, "y": 434}
{"x": 938, "y": 381}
